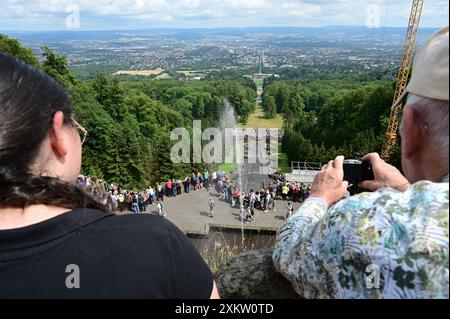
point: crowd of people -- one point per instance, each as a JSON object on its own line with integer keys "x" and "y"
{"x": 94, "y": 186}
{"x": 264, "y": 199}
{"x": 119, "y": 200}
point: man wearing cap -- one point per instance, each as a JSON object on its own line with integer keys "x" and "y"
{"x": 392, "y": 242}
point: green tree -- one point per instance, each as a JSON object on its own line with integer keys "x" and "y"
{"x": 282, "y": 98}
{"x": 198, "y": 111}
{"x": 270, "y": 108}
{"x": 109, "y": 94}
{"x": 57, "y": 67}
{"x": 14, "y": 48}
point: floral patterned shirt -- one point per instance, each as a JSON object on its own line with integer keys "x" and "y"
{"x": 385, "y": 244}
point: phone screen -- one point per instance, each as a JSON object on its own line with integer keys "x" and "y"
{"x": 356, "y": 171}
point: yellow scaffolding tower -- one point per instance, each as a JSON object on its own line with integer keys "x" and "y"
{"x": 402, "y": 79}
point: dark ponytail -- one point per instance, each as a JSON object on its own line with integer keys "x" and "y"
{"x": 29, "y": 100}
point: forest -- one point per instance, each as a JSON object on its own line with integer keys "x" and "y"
{"x": 129, "y": 120}
{"x": 346, "y": 116}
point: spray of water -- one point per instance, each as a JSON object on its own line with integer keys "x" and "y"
{"x": 229, "y": 120}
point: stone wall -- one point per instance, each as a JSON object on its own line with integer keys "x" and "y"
{"x": 252, "y": 276}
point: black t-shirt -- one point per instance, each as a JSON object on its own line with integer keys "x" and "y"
{"x": 131, "y": 256}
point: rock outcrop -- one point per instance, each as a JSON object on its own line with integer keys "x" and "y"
{"x": 252, "y": 275}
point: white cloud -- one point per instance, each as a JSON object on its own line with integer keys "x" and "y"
{"x": 107, "y": 14}
{"x": 299, "y": 9}
{"x": 246, "y": 4}
{"x": 193, "y": 4}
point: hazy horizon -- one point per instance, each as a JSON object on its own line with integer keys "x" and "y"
{"x": 211, "y": 28}
{"x": 112, "y": 15}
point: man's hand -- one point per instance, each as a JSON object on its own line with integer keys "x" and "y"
{"x": 385, "y": 175}
{"x": 329, "y": 183}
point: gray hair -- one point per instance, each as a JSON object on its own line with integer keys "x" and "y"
{"x": 435, "y": 115}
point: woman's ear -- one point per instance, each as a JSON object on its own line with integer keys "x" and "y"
{"x": 58, "y": 138}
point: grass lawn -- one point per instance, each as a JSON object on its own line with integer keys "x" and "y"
{"x": 227, "y": 168}
{"x": 284, "y": 166}
{"x": 257, "y": 120}
{"x": 259, "y": 83}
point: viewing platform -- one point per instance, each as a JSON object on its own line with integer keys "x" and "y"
{"x": 190, "y": 213}
{"x": 303, "y": 172}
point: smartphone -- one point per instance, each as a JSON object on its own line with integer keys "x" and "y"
{"x": 356, "y": 171}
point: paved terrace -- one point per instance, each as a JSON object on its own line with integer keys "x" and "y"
{"x": 190, "y": 213}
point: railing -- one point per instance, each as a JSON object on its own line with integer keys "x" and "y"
{"x": 305, "y": 166}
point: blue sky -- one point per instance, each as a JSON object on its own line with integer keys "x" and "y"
{"x": 33, "y": 15}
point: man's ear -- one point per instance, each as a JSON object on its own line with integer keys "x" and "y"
{"x": 413, "y": 134}
{"x": 58, "y": 139}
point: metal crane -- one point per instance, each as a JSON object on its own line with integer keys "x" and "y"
{"x": 402, "y": 79}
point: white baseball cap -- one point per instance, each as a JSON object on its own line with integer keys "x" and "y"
{"x": 430, "y": 76}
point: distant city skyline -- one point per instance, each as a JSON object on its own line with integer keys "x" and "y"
{"x": 83, "y": 15}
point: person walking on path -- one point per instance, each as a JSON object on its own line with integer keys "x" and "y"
{"x": 212, "y": 205}
{"x": 161, "y": 191}
{"x": 207, "y": 182}
{"x": 179, "y": 186}
{"x": 160, "y": 208}
{"x": 290, "y": 211}
{"x": 187, "y": 185}
{"x": 135, "y": 203}
{"x": 250, "y": 215}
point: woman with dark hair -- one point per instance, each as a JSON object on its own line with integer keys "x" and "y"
{"x": 56, "y": 241}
